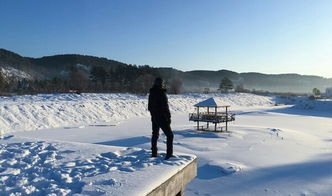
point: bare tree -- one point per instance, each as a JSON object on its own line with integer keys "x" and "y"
{"x": 77, "y": 80}
{"x": 225, "y": 85}
{"x": 2, "y": 82}
{"x": 316, "y": 92}
{"x": 175, "y": 86}
{"x": 143, "y": 83}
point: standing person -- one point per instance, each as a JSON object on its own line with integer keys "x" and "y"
{"x": 160, "y": 117}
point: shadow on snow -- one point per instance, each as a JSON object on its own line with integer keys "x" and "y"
{"x": 189, "y": 133}
{"x": 305, "y": 173}
{"x": 127, "y": 142}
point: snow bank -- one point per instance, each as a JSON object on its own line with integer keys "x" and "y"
{"x": 304, "y": 103}
{"x": 33, "y": 112}
{"x": 321, "y": 105}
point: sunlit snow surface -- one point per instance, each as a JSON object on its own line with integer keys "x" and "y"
{"x": 62, "y": 168}
{"x": 103, "y": 149}
{"x": 21, "y": 113}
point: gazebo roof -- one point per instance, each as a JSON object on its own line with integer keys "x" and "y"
{"x": 208, "y": 103}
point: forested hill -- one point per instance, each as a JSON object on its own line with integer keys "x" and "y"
{"x": 59, "y": 73}
{"x": 49, "y": 67}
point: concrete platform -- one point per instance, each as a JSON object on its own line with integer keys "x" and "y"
{"x": 176, "y": 184}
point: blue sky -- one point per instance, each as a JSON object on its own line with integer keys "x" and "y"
{"x": 268, "y": 36}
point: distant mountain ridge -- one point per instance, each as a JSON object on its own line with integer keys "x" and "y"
{"x": 48, "y": 67}
{"x": 262, "y": 82}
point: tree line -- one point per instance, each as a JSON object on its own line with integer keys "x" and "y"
{"x": 123, "y": 79}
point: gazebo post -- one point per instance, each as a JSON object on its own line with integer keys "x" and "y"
{"x": 226, "y": 117}
{"x": 197, "y": 117}
{"x": 215, "y": 117}
{"x": 207, "y": 126}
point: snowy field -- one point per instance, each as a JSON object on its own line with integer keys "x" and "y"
{"x": 92, "y": 144}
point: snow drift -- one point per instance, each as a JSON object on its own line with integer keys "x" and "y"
{"x": 33, "y": 112}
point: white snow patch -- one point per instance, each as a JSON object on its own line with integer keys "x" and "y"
{"x": 9, "y": 72}
{"x": 84, "y": 67}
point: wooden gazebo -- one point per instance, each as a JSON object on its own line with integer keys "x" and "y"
{"x": 211, "y": 115}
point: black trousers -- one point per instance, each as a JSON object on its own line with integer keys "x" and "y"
{"x": 166, "y": 127}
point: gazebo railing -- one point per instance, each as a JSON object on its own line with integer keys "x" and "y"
{"x": 218, "y": 117}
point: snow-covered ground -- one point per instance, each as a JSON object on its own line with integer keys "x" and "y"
{"x": 36, "y": 167}
{"x": 96, "y": 142}
{"x": 22, "y": 113}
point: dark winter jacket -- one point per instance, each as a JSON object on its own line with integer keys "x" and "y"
{"x": 158, "y": 105}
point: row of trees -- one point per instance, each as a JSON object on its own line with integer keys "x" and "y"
{"x": 132, "y": 79}
{"x": 226, "y": 85}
